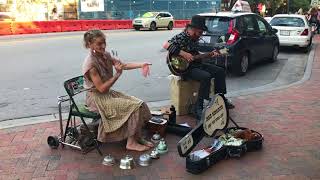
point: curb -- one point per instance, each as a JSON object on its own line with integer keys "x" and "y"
{"x": 158, "y": 104}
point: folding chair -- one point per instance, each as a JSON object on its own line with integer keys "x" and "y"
{"x": 74, "y": 87}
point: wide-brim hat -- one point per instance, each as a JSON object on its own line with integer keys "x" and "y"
{"x": 198, "y": 22}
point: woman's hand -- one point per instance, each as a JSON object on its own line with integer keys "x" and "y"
{"x": 145, "y": 69}
{"x": 119, "y": 67}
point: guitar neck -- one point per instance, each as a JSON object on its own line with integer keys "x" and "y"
{"x": 201, "y": 56}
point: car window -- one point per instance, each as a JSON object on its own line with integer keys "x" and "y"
{"x": 160, "y": 15}
{"x": 240, "y": 24}
{"x": 217, "y": 24}
{"x": 149, "y": 15}
{"x": 249, "y": 23}
{"x": 262, "y": 26}
{"x": 287, "y": 21}
{"x": 166, "y": 15}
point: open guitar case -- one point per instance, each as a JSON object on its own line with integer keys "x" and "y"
{"x": 215, "y": 119}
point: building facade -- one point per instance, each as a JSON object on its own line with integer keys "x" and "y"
{"x": 129, "y": 9}
{"x": 42, "y": 10}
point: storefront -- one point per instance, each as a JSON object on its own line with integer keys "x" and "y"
{"x": 129, "y": 9}
{"x": 40, "y": 10}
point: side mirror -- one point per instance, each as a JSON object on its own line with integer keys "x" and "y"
{"x": 274, "y": 30}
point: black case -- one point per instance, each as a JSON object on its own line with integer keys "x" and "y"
{"x": 214, "y": 115}
{"x": 177, "y": 129}
{"x": 215, "y": 112}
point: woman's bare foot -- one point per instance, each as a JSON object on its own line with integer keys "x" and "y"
{"x": 137, "y": 147}
{"x": 145, "y": 142}
{"x": 132, "y": 144}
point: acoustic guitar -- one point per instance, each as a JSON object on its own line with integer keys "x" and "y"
{"x": 179, "y": 65}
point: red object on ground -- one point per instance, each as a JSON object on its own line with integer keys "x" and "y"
{"x": 90, "y": 24}
{"x": 70, "y": 25}
{"x": 5, "y": 28}
{"x": 14, "y": 27}
{"x": 107, "y": 24}
{"x": 48, "y": 26}
{"x": 181, "y": 23}
{"x": 24, "y": 28}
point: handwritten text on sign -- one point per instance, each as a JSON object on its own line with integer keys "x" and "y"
{"x": 215, "y": 116}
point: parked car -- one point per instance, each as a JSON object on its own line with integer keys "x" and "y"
{"x": 154, "y": 20}
{"x": 293, "y": 30}
{"x": 248, "y": 37}
{"x": 268, "y": 19}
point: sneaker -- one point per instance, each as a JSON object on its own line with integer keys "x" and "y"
{"x": 229, "y": 104}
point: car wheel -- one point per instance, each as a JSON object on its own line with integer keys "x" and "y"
{"x": 137, "y": 28}
{"x": 275, "y": 53}
{"x": 241, "y": 67}
{"x": 53, "y": 142}
{"x": 170, "y": 25}
{"x": 153, "y": 26}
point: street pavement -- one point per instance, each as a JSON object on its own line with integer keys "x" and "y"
{"x": 288, "y": 117}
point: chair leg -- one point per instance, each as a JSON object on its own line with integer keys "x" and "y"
{"x": 65, "y": 131}
{"x": 91, "y": 135}
{"x": 98, "y": 147}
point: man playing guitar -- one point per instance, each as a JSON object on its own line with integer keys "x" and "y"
{"x": 185, "y": 45}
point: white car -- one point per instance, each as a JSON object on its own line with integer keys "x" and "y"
{"x": 293, "y": 30}
{"x": 154, "y": 20}
{"x": 267, "y": 19}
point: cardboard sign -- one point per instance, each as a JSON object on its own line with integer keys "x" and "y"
{"x": 215, "y": 116}
{"x": 186, "y": 144}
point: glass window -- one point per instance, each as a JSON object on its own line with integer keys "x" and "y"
{"x": 217, "y": 24}
{"x": 248, "y": 23}
{"x": 166, "y": 15}
{"x": 149, "y": 14}
{"x": 262, "y": 26}
{"x": 287, "y": 21}
{"x": 160, "y": 5}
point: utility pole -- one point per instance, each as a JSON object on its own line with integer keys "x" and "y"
{"x": 288, "y": 6}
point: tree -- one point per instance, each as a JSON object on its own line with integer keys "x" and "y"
{"x": 295, "y": 5}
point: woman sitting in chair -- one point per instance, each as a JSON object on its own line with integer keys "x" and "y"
{"x": 122, "y": 116}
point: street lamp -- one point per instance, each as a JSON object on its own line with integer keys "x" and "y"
{"x": 288, "y": 6}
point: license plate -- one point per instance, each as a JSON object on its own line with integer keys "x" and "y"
{"x": 285, "y": 33}
{"x": 205, "y": 39}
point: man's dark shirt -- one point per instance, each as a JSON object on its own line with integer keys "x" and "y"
{"x": 182, "y": 41}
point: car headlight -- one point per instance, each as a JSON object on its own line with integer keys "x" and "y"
{"x": 145, "y": 22}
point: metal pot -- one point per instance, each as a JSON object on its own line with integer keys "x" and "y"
{"x": 154, "y": 154}
{"x": 127, "y": 162}
{"x": 108, "y": 160}
{"x": 156, "y": 138}
{"x": 144, "y": 160}
{"x": 162, "y": 147}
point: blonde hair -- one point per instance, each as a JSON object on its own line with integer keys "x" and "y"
{"x": 91, "y": 35}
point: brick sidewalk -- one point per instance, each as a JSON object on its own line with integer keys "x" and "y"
{"x": 289, "y": 119}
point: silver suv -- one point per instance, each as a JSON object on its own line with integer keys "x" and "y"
{"x": 154, "y": 20}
